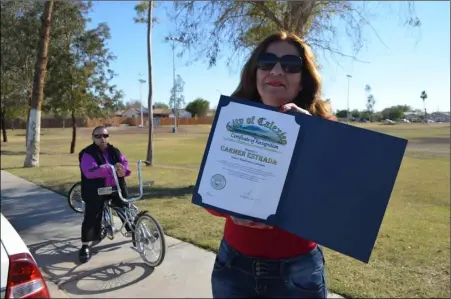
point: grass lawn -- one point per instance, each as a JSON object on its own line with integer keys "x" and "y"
{"x": 411, "y": 258}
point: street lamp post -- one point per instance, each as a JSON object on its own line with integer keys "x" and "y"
{"x": 141, "y": 81}
{"x": 347, "y": 111}
{"x": 174, "y": 39}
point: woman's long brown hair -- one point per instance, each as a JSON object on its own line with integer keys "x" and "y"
{"x": 308, "y": 98}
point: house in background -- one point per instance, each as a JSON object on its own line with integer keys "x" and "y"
{"x": 119, "y": 113}
{"x": 182, "y": 113}
{"x": 440, "y": 117}
{"x": 414, "y": 116}
{"x": 157, "y": 112}
{"x": 418, "y": 116}
{"x": 135, "y": 113}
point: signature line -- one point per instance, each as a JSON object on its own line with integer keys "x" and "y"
{"x": 248, "y": 195}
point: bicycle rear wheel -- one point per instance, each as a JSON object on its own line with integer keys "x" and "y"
{"x": 146, "y": 238}
{"x": 74, "y": 198}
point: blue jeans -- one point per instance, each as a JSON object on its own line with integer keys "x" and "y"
{"x": 238, "y": 276}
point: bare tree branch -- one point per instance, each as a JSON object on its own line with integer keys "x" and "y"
{"x": 208, "y": 28}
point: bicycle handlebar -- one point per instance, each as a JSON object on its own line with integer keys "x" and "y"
{"x": 116, "y": 180}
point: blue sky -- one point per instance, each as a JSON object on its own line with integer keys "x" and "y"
{"x": 409, "y": 62}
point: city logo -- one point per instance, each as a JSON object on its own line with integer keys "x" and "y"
{"x": 259, "y": 128}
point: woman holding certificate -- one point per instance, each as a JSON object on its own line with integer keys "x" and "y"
{"x": 255, "y": 260}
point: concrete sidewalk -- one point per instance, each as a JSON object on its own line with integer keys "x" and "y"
{"x": 52, "y": 232}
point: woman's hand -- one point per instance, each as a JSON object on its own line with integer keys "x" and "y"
{"x": 293, "y": 107}
{"x": 120, "y": 170}
{"x": 249, "y": 223}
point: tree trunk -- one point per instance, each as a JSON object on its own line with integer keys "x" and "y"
{"x": 34, "y": 126}
{"x": 425, "y": 114}
{"x": 28, "y": 117}
{"x": 74, "y": 133}
{"x": 149, "y": 156}
{"x": 3, "y": 124}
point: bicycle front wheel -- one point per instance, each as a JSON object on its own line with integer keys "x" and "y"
{"x": 149, "y": 238}
{"x": 74, "y": 198}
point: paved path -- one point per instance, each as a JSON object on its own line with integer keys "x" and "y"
{"x": 52, "y": 232}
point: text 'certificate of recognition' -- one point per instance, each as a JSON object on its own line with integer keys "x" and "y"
{"x": 248, "y": 160}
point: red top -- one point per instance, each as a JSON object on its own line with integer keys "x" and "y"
{"x": 263, "y": 243}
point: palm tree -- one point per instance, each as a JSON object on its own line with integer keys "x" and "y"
{"x": 144, "y": 15}
{"x": 149, "y": 156}
{"x": 424, "y": 96}
{"x": 34, "y": 125}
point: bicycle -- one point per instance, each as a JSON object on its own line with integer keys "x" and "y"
{"x": 130, "y": 215}
{"x": 74, "y": 199}
{"x": 77, "y": 204}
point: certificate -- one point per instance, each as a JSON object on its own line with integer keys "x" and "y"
{"x": 248, "y": 160}
{"x": 294, "y": 171}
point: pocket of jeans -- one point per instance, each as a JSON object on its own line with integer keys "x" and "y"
{"x": 308, "y": 275}
{"x": 219, "y": 265}
{"x": 222, "y": 258}
{"x": 311, "y": 282}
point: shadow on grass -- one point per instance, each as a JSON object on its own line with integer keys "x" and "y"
{"x": 45, "y": 166}
{"x": 12, "y": 153}
{"x": 431, "y": 140}
{"x": 23, "y": 134}
{"x": 161, "y": 192}
{"x": 22, "y": 153}
{"x": 62, "y": 189}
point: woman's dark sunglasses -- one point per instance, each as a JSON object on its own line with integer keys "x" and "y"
{"x": 290, "y": 63}
{"x": 98, "y": 136}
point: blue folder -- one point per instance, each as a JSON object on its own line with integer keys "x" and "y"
{"x": 338, "y": 185}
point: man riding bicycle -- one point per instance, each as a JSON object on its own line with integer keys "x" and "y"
{"x": 94, "y": 177}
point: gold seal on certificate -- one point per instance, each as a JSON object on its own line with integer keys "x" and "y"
{"x": 248, "y": 160}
